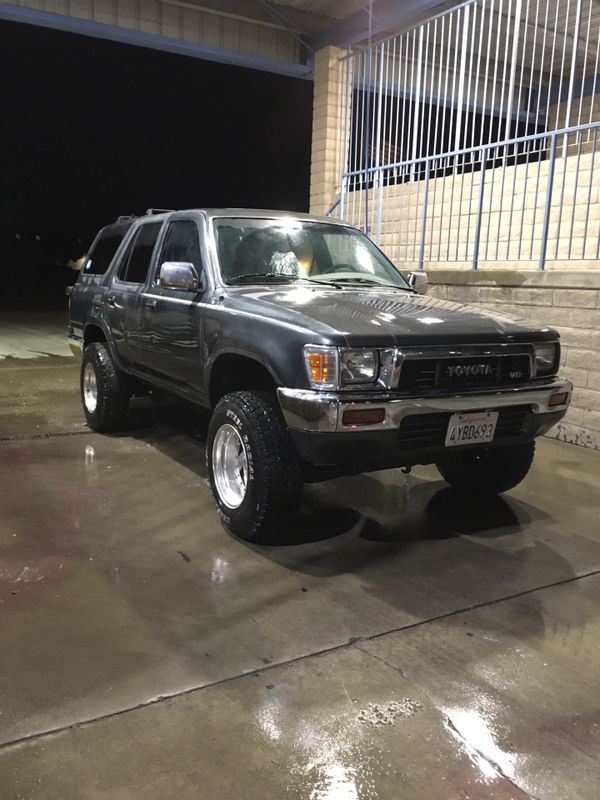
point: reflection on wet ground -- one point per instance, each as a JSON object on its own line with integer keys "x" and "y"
{"x": 397, "y": 639}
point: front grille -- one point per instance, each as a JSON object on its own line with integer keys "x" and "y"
{"x": 468, "y": 372}
{"x": 429, "y": 430}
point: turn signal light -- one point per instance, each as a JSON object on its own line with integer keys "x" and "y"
{"x": 363, "y": 416}
{"x": 321, "y": 368}
{"x": 558, "y": 399}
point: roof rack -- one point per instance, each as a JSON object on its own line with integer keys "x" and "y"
{"x": 125, "y": 218}
{"x": 151, "y": 211}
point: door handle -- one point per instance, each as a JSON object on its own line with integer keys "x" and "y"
{"x": 150, "y": 304}
{"x": 111, "y": 300}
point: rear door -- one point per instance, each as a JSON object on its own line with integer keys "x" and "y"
{"x": 170, "y": 345}
{"x": 124, "y": 295}
{"x": 86, "y": 296}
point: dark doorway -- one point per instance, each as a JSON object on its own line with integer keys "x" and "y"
{"x": 93, "y": 129}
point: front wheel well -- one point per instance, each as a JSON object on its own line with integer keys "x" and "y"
{"x": 234, "y": 373}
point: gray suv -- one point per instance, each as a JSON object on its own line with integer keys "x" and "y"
{"x": 314, "y": 353}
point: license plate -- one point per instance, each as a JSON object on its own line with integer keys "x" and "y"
{"x": 476, "y": 428}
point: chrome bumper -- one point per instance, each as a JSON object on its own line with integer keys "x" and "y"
{"x": 322, "y": 412}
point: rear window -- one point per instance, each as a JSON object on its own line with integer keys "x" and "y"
{"x": 104, "y": 249}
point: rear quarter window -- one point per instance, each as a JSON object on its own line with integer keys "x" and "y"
{"x": 103, "y": 251}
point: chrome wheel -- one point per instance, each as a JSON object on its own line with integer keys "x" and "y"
{"x": 90, "y": 389}
{"x": 230, "y": 466}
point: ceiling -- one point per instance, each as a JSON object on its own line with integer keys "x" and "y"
{"x": 349, "y": 20}
{"x": 335, "y": 9}
{"x": 312, "y": 18}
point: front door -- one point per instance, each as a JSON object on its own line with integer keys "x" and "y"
{"x": 171, "y": 320}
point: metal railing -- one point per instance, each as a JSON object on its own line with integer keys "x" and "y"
{"x": 472, "y": 137}
{"x": 532, "y": 198}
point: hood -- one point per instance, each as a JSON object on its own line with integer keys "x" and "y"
{"x": 382, "y": 317}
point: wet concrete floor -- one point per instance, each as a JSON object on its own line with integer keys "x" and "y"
{"x": 397, "y": 641}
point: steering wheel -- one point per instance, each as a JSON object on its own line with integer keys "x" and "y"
{"x": 344, "y": 268}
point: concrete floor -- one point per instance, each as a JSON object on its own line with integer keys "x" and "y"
{"x": 399, "y": 641}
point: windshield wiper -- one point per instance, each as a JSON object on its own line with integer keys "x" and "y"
{"x": 252, "y": 275}
{"x": 323, "y": 283}
{"x": 369, "y": 282}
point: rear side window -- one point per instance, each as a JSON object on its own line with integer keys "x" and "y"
{"x": 136, "y": 262}
{"x": 103, "y": 251}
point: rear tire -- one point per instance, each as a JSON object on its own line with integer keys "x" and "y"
{"x": 491, "y": 470}
{"x": 254, "y": 470}
{"x": 104, "y": 390}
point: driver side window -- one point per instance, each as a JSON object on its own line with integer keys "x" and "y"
{"x": 182, "y": 243}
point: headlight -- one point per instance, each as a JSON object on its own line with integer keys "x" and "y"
{"x": 545, "y": 358}
{"x": 359, "y": 366}
{"x": 330, "y": 368}
{"x": 322, "y": 366}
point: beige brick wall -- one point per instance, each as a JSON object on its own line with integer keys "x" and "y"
{"x": 329, "y": 84}
{"x": 569, "y": 302}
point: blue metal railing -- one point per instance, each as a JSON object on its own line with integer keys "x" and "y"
{"x": 488, "y": 173}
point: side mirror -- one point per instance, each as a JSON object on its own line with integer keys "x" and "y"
{"x": 179, "y": 275}
{"x": 418, "y": 281}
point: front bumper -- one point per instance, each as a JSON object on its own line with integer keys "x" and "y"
{"x": 315, "y": 420}
{"x": 323, "y": 412}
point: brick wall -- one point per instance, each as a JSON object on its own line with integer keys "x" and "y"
{"x": 569, "y": 302}
{"x": 329, "y": 82}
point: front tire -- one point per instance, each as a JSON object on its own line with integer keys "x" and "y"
{"x": 254, "y": 470}
{"x": 104, "y": 391}
{"x": 491, "y": 469}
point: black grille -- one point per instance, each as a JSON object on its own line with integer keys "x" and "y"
{"x": 429, "y": 430}
{"x": 467, "y": 372}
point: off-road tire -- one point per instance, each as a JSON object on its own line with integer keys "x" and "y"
{"x": 112, "y": 387}
{"x": 274, "y": 474}
{"x": 490, "y": 470}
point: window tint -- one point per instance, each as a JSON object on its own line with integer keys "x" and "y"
{"x": 182, "y": 244}
{"x": 141, "y": 253}
{"x": 103, "y": 251}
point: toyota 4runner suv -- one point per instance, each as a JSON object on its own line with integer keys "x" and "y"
{"x": 316, "y": 356}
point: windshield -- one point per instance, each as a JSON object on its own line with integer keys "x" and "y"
{"x": 291, "y": 250}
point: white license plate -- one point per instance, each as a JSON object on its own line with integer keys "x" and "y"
{"x": 476, "y": 428}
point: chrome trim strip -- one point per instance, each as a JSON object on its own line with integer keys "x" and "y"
{"x": 322, "y": 412}
{"x": 181, "y": 300}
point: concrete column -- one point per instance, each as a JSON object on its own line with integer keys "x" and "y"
{"x": 329, "y": 90}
